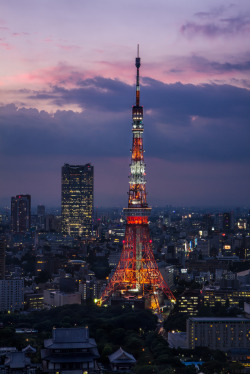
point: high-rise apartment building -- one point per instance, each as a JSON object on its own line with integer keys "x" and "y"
{"x": 77, "y": 199}
{"x": 20, "y": 213}
{"x": 11, "y": 294}
{"x": 2, "y": 257}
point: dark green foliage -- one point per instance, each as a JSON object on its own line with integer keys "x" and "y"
{"x": 112, "y": 327}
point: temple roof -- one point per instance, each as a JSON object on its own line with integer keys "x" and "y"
{"x": 17, "y": 360}
{"x": 70, "y": 338}
{"x": 120, "y": 356}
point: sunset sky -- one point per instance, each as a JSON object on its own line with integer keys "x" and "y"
{"x": 67, "y": 84}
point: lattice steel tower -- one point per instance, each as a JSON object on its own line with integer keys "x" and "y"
{"x": 137, "y": 275}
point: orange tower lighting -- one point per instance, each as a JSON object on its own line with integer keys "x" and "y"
{"x": 137, "y": 275}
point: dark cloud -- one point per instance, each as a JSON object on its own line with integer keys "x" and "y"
{"x": 219, "y": 27}
{"x": 203, "y": 65}
{"x": 196, "y": 142}
{"x": 96, "y": 93}
{"x": 215, "y": 12}
{"x": 245, "y": 66}
{"x": 183, "y": 122}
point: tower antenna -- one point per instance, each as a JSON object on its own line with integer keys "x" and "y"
{"x": 137, "y": 278}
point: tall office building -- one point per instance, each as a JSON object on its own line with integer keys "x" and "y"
{"x": 77, "y": 199}
{"x": 20, "y": 213}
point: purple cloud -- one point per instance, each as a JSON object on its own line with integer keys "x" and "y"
{"x": 182, "y": 121}
{"x": 221, "y": 27}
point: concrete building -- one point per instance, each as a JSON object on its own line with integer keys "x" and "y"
{"x": 168, "y": 275}
{"x": 177, "y": 339}
{"x": 223, "y": 334}
{"x": 53, "y": 298}
{"x": 203, "y": 247}
{"x": 11, "y": 294}
{"x": 212, "y": 295}
{"x": 34, "y": 301}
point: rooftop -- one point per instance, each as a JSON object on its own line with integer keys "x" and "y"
{"x": 219, "y": 319}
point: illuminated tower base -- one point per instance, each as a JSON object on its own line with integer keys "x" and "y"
{"x": 137, "y": 275}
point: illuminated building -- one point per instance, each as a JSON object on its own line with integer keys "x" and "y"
{"x": 223, "y": 334}
{"x": 20, "y": 213}
{"x": 211, "y": 296}
{"x": 34, "y": 301}
{"x": 189, "y": 302}
{"x": 137, "y": 276}
{"x": 77, "y": 200}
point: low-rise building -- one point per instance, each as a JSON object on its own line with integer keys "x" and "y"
{"x": 121, "y": 360}
{"x": 223, "y": 334}
{"x": 70, "y": 350}
{"x": 189, "y": 302}
{"x": 55, "y": 298}
{"x": 177, "y": 339}
{"x": 18, "y": 363}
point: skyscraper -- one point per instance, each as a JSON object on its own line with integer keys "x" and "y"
{"x": 77, "y": 199}
{"x": 20, "y": 213}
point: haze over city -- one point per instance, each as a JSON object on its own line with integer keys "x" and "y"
{"x": 67, "y": 84}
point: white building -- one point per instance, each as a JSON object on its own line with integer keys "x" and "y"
{"x": 54, "y": 298}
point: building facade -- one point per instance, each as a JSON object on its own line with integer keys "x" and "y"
{"x": 77, "y": 200}
{"x": 55, "y": 298}
{"x": 223, "y": 334}
{"x": 20, "y": 213}
{"x": 11, "y": 294}
{"x": 189, "y": 302}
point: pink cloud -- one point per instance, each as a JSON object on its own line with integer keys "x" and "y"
{"x": 67, "y": 47}
{"x": 6, "y": 46}
{"x": 19, "y": 33}
{"x": 48, "y": 40}
{"x": 61, "y": 74}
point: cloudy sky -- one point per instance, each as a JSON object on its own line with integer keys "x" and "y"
{"x": 67, "y": 86}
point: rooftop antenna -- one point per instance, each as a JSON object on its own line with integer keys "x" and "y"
{"x": 137, "y": 64}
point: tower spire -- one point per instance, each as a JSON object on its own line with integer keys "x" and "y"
{"x": 137, "y": 276}
{"x": 138, "y": 64}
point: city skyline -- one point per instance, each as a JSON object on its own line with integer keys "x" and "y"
{"x": 67, "y": 85}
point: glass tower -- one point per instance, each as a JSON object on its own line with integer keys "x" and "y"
{"x": 77, "y": 199}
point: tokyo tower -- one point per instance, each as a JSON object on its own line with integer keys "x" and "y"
{"x": 137, "y": 275}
